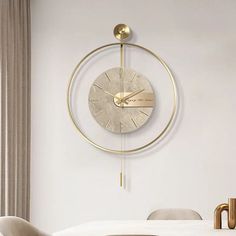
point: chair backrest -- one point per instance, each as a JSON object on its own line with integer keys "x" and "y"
{"x": 174, "y": 214}
{"x": 14, "y": 226}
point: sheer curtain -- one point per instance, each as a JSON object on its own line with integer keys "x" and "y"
{"x": 15, "y": 107}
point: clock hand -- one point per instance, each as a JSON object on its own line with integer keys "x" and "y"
{"x": 111, "y": 94}
{"x": 131, "y": 95}
{"x": 114, "y": 96}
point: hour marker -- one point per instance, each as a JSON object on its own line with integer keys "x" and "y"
{"x": 97, "y": 86}
{"x": 93, "y": 100}
{"x": 133, "y": 77}
{"x": 134, "y": 122}
{"x": 121, "y": 126}
{"x": 98, "y": 113}
{"x": 108, "y": 122}
{"x": 144, "y": 113}
{"x": 107, "y": 77}
{"x": 121, "y": 72}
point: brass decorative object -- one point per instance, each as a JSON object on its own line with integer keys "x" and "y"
{"x": 122, "y": 32}
{"x": 230, "y": 208}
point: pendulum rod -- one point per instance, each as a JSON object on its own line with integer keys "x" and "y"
{"x": 122, "y": 95}
{"x": 122, "y": 32}
{"x": 122, "y": 56}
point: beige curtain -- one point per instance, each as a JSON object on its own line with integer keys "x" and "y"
{"x": 15, "y": 107}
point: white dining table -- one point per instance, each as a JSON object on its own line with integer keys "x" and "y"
{"x": 144, "y": 227}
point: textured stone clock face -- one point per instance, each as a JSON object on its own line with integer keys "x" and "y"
{"x": 121, "y": 101}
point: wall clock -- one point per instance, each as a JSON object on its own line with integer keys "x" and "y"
{"x": 127, "y": 105}
{"x": 117, "y": 106}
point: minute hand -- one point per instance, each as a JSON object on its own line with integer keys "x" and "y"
{"x": 131, "y": 95}
{"x": 114, "y": 96}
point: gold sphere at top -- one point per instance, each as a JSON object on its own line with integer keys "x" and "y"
{"x": 122, "y": 32}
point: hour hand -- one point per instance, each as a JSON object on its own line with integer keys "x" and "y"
{"x": 131, "y": 95}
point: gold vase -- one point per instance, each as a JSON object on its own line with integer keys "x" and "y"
{"x": 230, "y": 208}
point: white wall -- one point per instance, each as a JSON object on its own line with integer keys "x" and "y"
{"x": 72, "y": 182}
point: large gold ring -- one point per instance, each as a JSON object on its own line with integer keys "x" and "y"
{"x": 159, "y": 136}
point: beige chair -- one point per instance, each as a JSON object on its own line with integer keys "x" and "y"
{"x": 14, "y": 226}
{"x": 174, "y": 214}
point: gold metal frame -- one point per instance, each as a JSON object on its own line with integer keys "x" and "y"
{"x": 159, "y": 135}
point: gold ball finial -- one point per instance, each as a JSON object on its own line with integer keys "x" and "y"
{"x": 122, "y": 32}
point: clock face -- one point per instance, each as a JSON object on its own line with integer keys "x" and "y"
{"x": 121, "y": 100}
